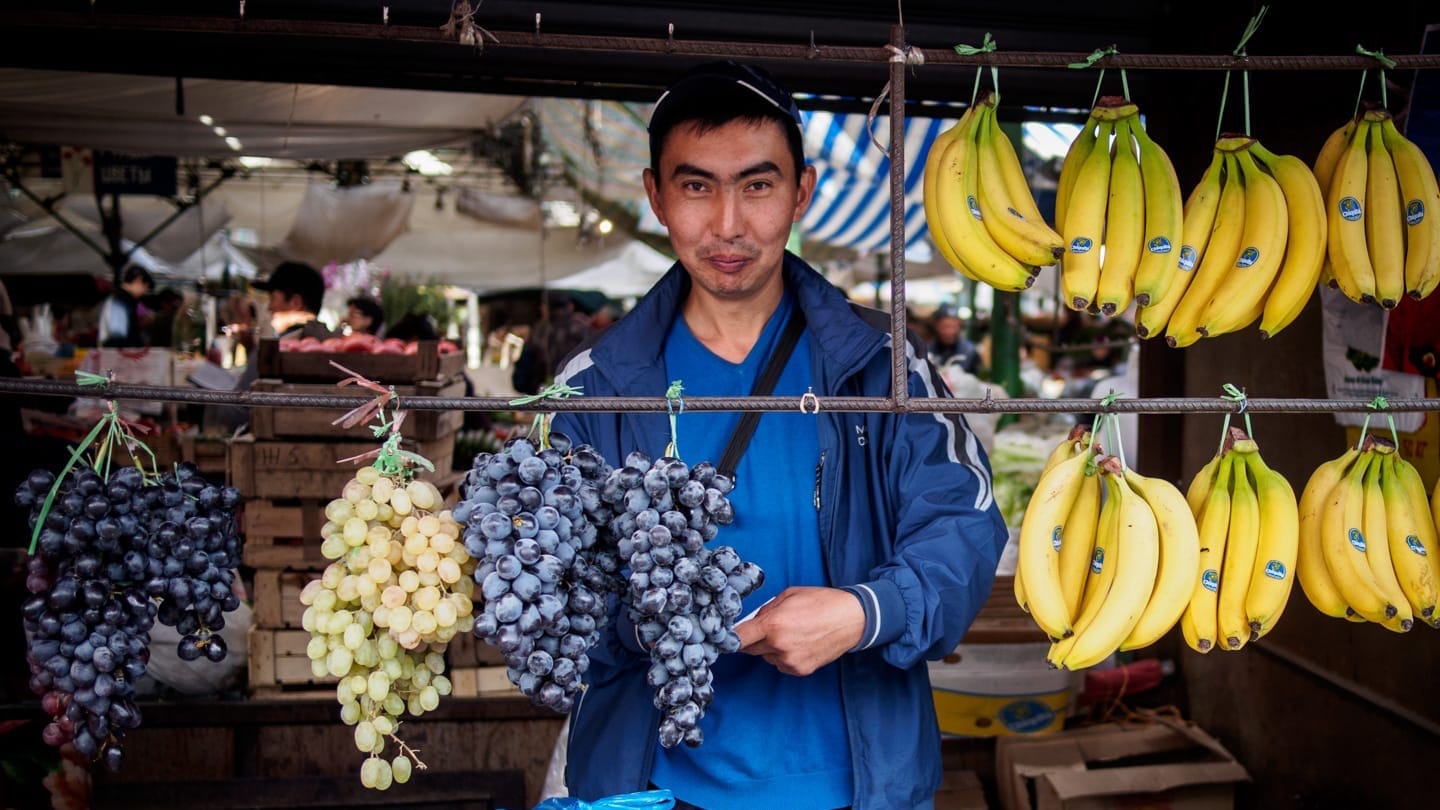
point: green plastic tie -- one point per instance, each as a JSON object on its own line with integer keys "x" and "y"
{"x": 1379, "y": 404}
{"x": 1239, "y": 53}
{"x": 987, "y": 46}
{"x": 1112, "y": 428}
{"x": 674, "y": 405}
{"x": 540, "y": 426}
{"x": 1385, "y": 62}
{"x": 1240, "y": 398}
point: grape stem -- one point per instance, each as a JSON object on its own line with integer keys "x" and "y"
{"x": 412, "y": 753}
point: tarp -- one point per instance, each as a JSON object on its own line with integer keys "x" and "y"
{"x": 138, "y": 115}
{"x": 629, "y": 275}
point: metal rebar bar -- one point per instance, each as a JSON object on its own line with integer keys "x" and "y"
{"x": 899, "y": 367}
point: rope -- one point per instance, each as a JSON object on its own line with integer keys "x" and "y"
{"x": 341, "y": 402}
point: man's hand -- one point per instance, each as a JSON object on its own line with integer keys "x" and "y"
{"x": 804, "y": 629}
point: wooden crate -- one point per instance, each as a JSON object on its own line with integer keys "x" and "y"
{"x": 427, "y": 790}
{"x": 277, "y": 597}
{"x": 467, "y": 652}
{"x": 316, "y": 423}
{"x": 1001, "y": 620}
{"x": 278, "y": 664}
{"x": 283, "y": 534}
{"x": 481, "y": 682}
{"x": 426, "y": 364}
{"x": 293, "y": 469}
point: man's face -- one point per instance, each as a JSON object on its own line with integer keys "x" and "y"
{"x": 357, "y": 320}
{"x": 728, "y": 198}
{"x": 947, "y": 330}
{"x": 281, "y": 302}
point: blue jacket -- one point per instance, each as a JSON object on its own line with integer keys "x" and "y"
{"x": 907, "y": 520}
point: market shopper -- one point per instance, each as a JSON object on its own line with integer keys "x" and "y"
{"x": 877, "y": 532}
{"x": 296, "y": 293}
{"x": 120, "y": 324}
{"x": 364, "y": 316}
{"x": 949, "y": 345}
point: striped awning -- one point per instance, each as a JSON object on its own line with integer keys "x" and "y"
{"x": 604, "y": 146}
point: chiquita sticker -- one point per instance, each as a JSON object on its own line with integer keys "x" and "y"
{"x": 1081, "y": 244}
{"x": 1275, "y": 569}
{"x": 1350, "y": 209}
{"x": 1097, "y": 563}
{"x": 1414, "y": 212}
{"x": 1055, "y": 538}
{"x": 1357, "y": 539}
{"x": 1159, "y": 245}
{"x": 1210, "y": 580}
{"x": 1415, "y": 545}
{"x": 974, "y": 208}
{"x": 1187, "y": 258}
{"x": 1248, "y": 257}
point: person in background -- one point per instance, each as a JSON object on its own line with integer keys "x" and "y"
{"x": 165, "y": 304}
{"x": 604, "y": 317}
{"x": 414, "y": 326}
{"x": 364, "y": 316}
{"x": 551, "y": 342}
{"x": 948, "y": 345}
{"x": 877, "y": 532}
{"x": 120, "y": 325}
{"x": 296, "y": 292}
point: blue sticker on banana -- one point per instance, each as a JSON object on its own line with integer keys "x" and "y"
{"x": 1159, "y": 245}
{"x": 1275, "y": 569}
{"x": 1357, "y": 539}
{"x": 1210, "y": 580}
{"x": 1055, "y": 538}
{"x": 1248, "y": 257}
{"x": 1097, "y": 562}
{"x": 1187, "y": 258}
{"x": 1415, "y": 545}
{"x": 1350, "y": 209}
{"x": 974, "y": 208}
{"x": 1081, "y": 244}
{"x": 1414, "y": 212}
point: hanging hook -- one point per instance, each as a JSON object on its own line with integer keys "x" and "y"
{"x": 809, "y": 398}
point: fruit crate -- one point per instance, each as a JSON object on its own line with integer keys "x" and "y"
{"x": 1001, "y": 620}
{"x": 296, "y": 469}
{"x": 469, "y": 682}
{"x": 269, "y": 423}
{"x": 467, "y": 652}
{"x": 282, "y": 535}
{"x": 280, "y": 667}
{"x": 426, "y": 364}
{"x": 277, "y": 597}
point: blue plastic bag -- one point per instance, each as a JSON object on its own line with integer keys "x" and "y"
{"x": 644, "y": 800}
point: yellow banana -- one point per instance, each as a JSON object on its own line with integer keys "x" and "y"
{"x": 1085, "y": 224}
{"x": 932, "y": 190}
{"x": 1330, "y": 153}
{"x": 1016, "y": 185}
{"x": 1179, "y": 559}
{"x": 1310, "y": 567}
{"x": 1124, "y": 224}
{"x": 1078, "y": 438}
{"x": 1019, "y": 586}
{"x": 1305, "y": 250}
{"x": 1137, "y": 559}
{"x": 1200, "y": 485}
{"x": 1420, "y": 507}
{"x": 1421, "y": 197}
{"x": 1028, "y": 241}
{"x": 1040, "y": 542}
{"x": 1406, "y": 532}
{"x": 1075, "y": 157}
{"x": 1199, "y": 220}
{"x": 1345, "y": 220}
{"x": 1213, "y": 526}
{"x": 959, "y": 217}
{"x": 1078, "y": 541}
{"x": 1267, "y": 229}
{"x": 1164, "y": 220}
{"x": 1274, "y": 574}
{"x": 1384, "y": 219}
{"x": 1102, "y": 572}
{"x": 1377, "y": 546}
{"x": 1241, "y": 543}
{"x": 1220, "y": 255}
{"x": 1343, "y": 542}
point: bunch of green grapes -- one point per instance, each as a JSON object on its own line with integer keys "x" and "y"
{"x": 381, "y": 614}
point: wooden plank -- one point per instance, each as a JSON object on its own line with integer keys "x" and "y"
{"x": 317, "y": 423}
{"x": 427, "y": 790}
{"x": 277, "y": 597}
{"x": 480, "y": 681}
{"x": 278, "y": 659}
{"x": 426, "y": 364}
{"x": 291, "y": 469}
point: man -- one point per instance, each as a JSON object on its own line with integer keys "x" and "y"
{"x": 552, "y": 339}
{"x": 364, "y": 316}
{"x": 296, "y": 292}
{"x": 949, "y": 345}
{"x": 120, "y": 325}
{"x": 877, "y": 532}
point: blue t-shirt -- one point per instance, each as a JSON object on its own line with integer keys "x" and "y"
{"x": 771, "y": 740}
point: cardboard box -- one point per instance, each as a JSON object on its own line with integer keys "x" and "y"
{"x": 1159, "y": 766}
{"x": 993, "y": 690}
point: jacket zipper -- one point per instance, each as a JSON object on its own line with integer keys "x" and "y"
{"x": 819, "y": 472}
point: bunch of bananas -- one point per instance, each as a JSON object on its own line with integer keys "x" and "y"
{"x": 1368, "y": 541}
{"x": 978, "y": 207}
{"x": 1379, "y": 192}
{"x": 1107, "y": 558}
{"x": 1249, "y": 535}
{"x": 1253, "y": 246}
{"x": 1122, "y": 194}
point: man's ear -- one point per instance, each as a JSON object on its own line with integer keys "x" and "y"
{"x": 652, "y": 191}
{"x": 805, "y": 193}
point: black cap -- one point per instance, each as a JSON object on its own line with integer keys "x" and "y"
{"x": 294, "y": 278}
{"x": 711, "y": 76}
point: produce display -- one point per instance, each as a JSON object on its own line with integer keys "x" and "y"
{"x": 117, "y": 548}
{"x": 1368, "y": 549}
{"x": 360, "y": 343}
{"x": 1254, "y": 240}
{"x": 978, "y": 206}
{"x": 1122, "y": 199}
{"x": 380, "y": 615}
{"x": 1379, "y": 193}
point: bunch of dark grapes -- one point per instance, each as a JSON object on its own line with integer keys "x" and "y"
{"x": 110, "y": 557}
{"x": 683, "y": 596}
{"x": 542, "y": 575}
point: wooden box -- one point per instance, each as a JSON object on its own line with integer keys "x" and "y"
{"x": 278, "y": 664}
{"x": 316, "y": 423}
{"x": 1001, "y": 620}
{"x": 481, "y": 681}
{"x": 426, "y": 790}
{"x": 277, "y": 597}
{"x": 291, "y": 469}
{"x": 426, "y": 364}
{"x": 467, "y": 652}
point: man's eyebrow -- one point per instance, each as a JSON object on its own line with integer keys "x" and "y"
{"x": 691, "y": 170}
{"x": 763, "y": 167}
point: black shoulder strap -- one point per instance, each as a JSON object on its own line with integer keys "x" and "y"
{"x": 764, "y": 384}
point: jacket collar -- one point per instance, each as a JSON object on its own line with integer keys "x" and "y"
{"x": 631, "y": 352}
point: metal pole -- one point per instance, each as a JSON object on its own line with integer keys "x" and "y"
{"x": 900, "y": 367}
